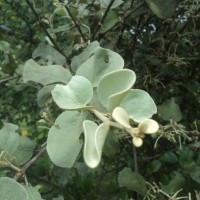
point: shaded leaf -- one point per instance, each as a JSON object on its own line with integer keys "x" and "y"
{"x": 77, "y": 94}
{"x": 139, "y": 105}
{"x": 9, "y": 140}
{"x": 63, "y": 144}
{"x": 24, "y": 150}
{"x": 162, "y": 9}
{"x": 102, "y": 62}
{"x": 175, "y": 184}
{"x": 45, "y": 74}
{"x": 105, "y": 3}
{"x": 132, "y": 181}
{"x": 194, "y": 171}
{"x": 114, "y": 86}
{"x": 169, "y": 110}
{"x": 17, "y": 149}
{"x": 44, "y": 94}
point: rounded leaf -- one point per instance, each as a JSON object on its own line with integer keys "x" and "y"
{"x": 94, "y": 140}
{"x": 75, "y": 95}
{"x": 139, "y": 105}
{"x": 45, "y": 74}
{"x": 148, "y": 126}
{"x": 11, "y": 189}
{"x": 63, "y": 144}
{"x": 121, "y": 116}
{"x": 102, "y": 62}
{"x": 114, "y": 86}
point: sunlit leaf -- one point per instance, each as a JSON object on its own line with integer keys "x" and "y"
{"x": 162, "y": 9}
{"x": 75, "y": 95}
{"x": 139, "y": 105}
{"x": 121, "y": 116}
{"x": 45, "y": 74}
{"x": 94, "y": 140}
{"x": 132, "y": 181}
{"x": 77, "y": 61}
{"x": 102, "y": 62}
{"x": 63, "y": 144}
{"x": 114, "y": 86}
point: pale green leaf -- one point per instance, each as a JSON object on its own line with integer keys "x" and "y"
{"x": 63, "y": 144}
{"x": 47, "y": 52}
{"x": 24, "y": 150}
{"x": 139, "y": 105}
{"x": 4, "y": 46}
{"x": 45, "y": 74}
{"x": 44, "y": 94}
{"x": 17, "y": 149}
{"x": 32, "y": 192}
{"x": 77, "y": 61}
{"x": 132, "y": 181}
{"x": 9, "y": 140}
{"x": 162, "y": 9}
{"x": 114, "y": 86}
{"x": 76, "y": 95}
{"x": 12, "y": 190}
{"x": 170, "y": 110}
{"x": 94, "y": 140}
{"x": 96, "y": 103}
{"x": 102, "y": 62}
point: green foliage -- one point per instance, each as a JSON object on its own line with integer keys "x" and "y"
{"x": 63, "y": 145}
{"x": 132, "y": 181}
{"x": 68, "y": 57}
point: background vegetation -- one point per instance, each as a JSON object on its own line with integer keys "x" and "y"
{"x": 160, "y": 41}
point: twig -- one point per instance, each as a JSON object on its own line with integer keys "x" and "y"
{"x": 75, "y": 23}
{"x": 28, "y": 164}
{"x": 43, "y": 28}
{"x": 135, "y": 159}
{"x": 8, "y": 79}
{"x": 102, "y": 20}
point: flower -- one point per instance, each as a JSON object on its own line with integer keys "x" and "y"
{"x": 148, "y": 126}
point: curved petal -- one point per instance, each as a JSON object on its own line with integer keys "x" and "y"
{"x": 121, "y": 116}
{"x": 148, "y": 126}
{"x": 94, "y": 140}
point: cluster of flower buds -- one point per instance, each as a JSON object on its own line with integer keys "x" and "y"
{"x": 147, "y": 126}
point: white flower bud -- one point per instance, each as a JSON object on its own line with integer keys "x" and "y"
{"x": 137, "y": 142}
{"x": 148, "y": 126}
